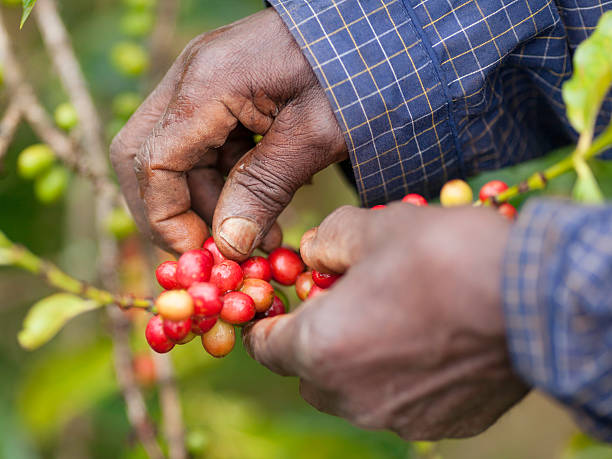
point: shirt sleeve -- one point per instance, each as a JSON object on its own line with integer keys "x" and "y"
{"x": 558, "y": 306}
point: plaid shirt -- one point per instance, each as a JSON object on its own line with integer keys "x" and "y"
{"x": 428, "y": 90}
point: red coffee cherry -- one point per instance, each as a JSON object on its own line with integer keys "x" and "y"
{"x": 260, "y": 291}
{"x": 257, "y": 268}
{"x": 194, "y": 266}
{"x": 209, "y": 244}
{"x": 238, "y": 308}
{"x": 227, "y": 275}
{"x": 492, "y": 188}
{"x": 177, "y": 331}
{"x": 166, "y": 275}
{"x": 507, "y": 210}
{"x": 415, "y": 199}
{"x": 174, "y": 305}
{"x": 154, "y": 333}
{"x": 201, "y": 324}
{"x": 276, "y": 309}
{"x": 206, "y": 299}
{"x": 324, "y": 280}
{"x": 219, "y": 340}
{"x": 190, "y": 336}
{"x": 144, "y": 369}
{"x": 378, "y": 207}
{"x": 315, "y": 291}
{"x": 456, "y": 193}
{"x": 303, "y": 284}
{"x": 286, "y": 265}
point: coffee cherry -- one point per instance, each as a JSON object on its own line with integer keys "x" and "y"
{"x": 303, "y": 284}
{"x": 507, "y": 210}
{"x": 286, "y": 265}
{"x": 176, "y": 331}
{"x": 281, "y": 296}
{"x": 144, "y": 369}
{"x": 35, "y": 160}
{"x": 315, "y": 291}
{"x": 456, "y": 193}
{"x": 492, "y": 188}
{"x": 194, "y": 266}
{"x": 190, "y": 336}
{"x": 166, "y": 275}
{"x": 226, "y": 275}
{"x": 378, "y": 207}
{"x": 275, "y": 309}
{"x": 260, "y": 291}
{"x": 238, "y": 308}
{"x": 154, "y": 333}
{"x": 65, "y": 116}
{"x": 174, "y": 305}
{"x": 120, "y": 224}
{"x": 220, "y": 339}
{"x": 206, "y": 299}
{"x": 257, "y": 268}
{"x": 129, "y": 58}
{"x": 209, "y": 244}
{"x": 125, "y": 104}
{"x": 324, "y": 280}
{"x": 201, "y": 324}
{"x": 415, "y": 199}
{"x": 50, "y": 186}
{"x": 137, "y": 23}
{"x": 257, "y": 138}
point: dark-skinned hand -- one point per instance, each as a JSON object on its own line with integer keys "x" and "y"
{"x": 412, "y": 337}
{"x": 196, "y": 128}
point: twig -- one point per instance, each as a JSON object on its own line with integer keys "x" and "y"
{"x": 8, "y": 126}
{"x": 161, "y": 38}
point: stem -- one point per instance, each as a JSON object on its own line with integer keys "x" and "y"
{"x": 20, "y": 257}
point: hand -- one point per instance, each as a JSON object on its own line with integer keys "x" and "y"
{"x": 412, "y": 337}
{"x": 195, "y": 128}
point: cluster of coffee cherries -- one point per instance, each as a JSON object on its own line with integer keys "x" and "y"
{"x": 458, "y": 193}
{"x": 207, "y": 295}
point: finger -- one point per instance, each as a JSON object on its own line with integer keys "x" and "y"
{"x": 340, "y": 241}
{"x": 205, "y": 185}
{"x": 263, "y": 182}
{"x": 273, "y": 239}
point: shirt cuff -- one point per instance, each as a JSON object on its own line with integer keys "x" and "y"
{"x": 558, "y": 306}
{"x": 383, "y": 82}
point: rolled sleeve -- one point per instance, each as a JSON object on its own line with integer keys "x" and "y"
{"x": 558, "y": 306}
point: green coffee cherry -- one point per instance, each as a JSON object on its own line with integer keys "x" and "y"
{"x": 120, "y": 224}
{"x": 130, "y": 59}
{"x": 139, "y": 4}
{"x": 257, "y": 138}
{"x": 35, "y": 160}
{"x": 125, "y": 104}
{"x": 66, "y": 116}
{"x": 197, "y": 441}
{"x": 137, "y": 23}
{"x": 51, "y": 186}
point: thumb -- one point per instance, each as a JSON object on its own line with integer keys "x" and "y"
{"x": 264, "y": 181}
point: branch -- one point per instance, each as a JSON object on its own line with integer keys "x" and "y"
{"x": 8, "y": 126}
{"x": 161, "y": 38}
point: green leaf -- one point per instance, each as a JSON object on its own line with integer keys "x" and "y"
{"x": 48, "y": 316}
{"x": 583, "y": 93}
{"x": 586, "y": 189}
{"x": 27, "y": 9}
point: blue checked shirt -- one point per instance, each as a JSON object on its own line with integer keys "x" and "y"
{"x": 428, "y": 90}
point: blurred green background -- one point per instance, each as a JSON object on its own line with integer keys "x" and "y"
{"x": 62, "y": 401}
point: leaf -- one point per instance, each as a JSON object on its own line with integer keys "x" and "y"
{"x": 48, "y": 316}
{"x": 586, "y": 189}
{"x": 27, "y": 9}
{"x": 584, "y": 92}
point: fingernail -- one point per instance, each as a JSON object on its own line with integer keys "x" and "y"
{"x": 239, "y": 233}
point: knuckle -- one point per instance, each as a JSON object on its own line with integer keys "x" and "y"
{"x": 267, "y": 186}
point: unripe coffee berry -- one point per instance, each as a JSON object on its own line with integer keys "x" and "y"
{"x": 238, "y": 308}
{"x": 194, "y": 266}
{"x": 507, "y": 210}
{"x": 166, "y": 275}
{"x": 378, "y": 207}
{"x": 226, "y": 275}
{"x": 492, "y": 188}
{"x": 315, "y": 291}
{"x": 178, "y": 330}
{"x": 286, "y": 266}
{"x": 209, "y": 244}
{"x": 51, "y": 185}
{"x": 190, "y": 336}
{"x": 174, "y": 305}
{"x": 456, "y": 193}
{"x": 257, "y": 268}
{"x": 260, "y": 291}
{"x": 324, "y": 280}
{"x": 65, "y": 116}
{"x": 415, "y": 199}
{"x": 154, "y": 333}
{"x": 201, "y": 324}
{"x": 206, "y": 299}
{"x": 35, "y": 160}
{"x": 275, "y": 309}
{"x": 303, "y": 284}
{"x": 220, "y": 339}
